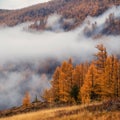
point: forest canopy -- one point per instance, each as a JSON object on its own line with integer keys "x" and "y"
{"x": 86, "y": 82}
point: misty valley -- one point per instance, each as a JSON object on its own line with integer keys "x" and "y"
{"x": 53, "y": 56}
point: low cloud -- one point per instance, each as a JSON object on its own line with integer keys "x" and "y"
{"x": 27, "y": 59}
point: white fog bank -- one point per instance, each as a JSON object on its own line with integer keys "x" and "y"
{"x": 34, "y": 55}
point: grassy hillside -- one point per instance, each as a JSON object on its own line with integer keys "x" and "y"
{"x": 68, "y": 113}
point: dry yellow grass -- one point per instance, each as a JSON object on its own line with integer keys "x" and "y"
{"x": 66, "y": 113}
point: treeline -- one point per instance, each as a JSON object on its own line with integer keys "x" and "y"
{"x": 111, "y": 27}
{"x": 86, "y": 82}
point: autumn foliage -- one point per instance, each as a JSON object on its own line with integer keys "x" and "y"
{"x": 86, "y": 82}
{"x": 69, "y": 9}
{"x": 26, "y": 99}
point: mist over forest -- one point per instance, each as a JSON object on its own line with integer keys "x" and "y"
{"x": 28, "y": 57}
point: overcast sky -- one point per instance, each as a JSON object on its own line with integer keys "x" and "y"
{"x": 16, "y": 4}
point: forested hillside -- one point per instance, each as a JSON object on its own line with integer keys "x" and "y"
{"x": 95, "y": 82}
{"x": 86, "y": 82}
{"x": 69, "y": 9}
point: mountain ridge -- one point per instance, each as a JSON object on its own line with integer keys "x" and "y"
{"x": 77, "y": 9}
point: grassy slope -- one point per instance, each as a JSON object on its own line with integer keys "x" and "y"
{"x": 67, "y": 113}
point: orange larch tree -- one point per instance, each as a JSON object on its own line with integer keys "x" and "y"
{"x": 55, "y": 85}
{"x": 26, "y": 99}
{"x": 89, "y": 88}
